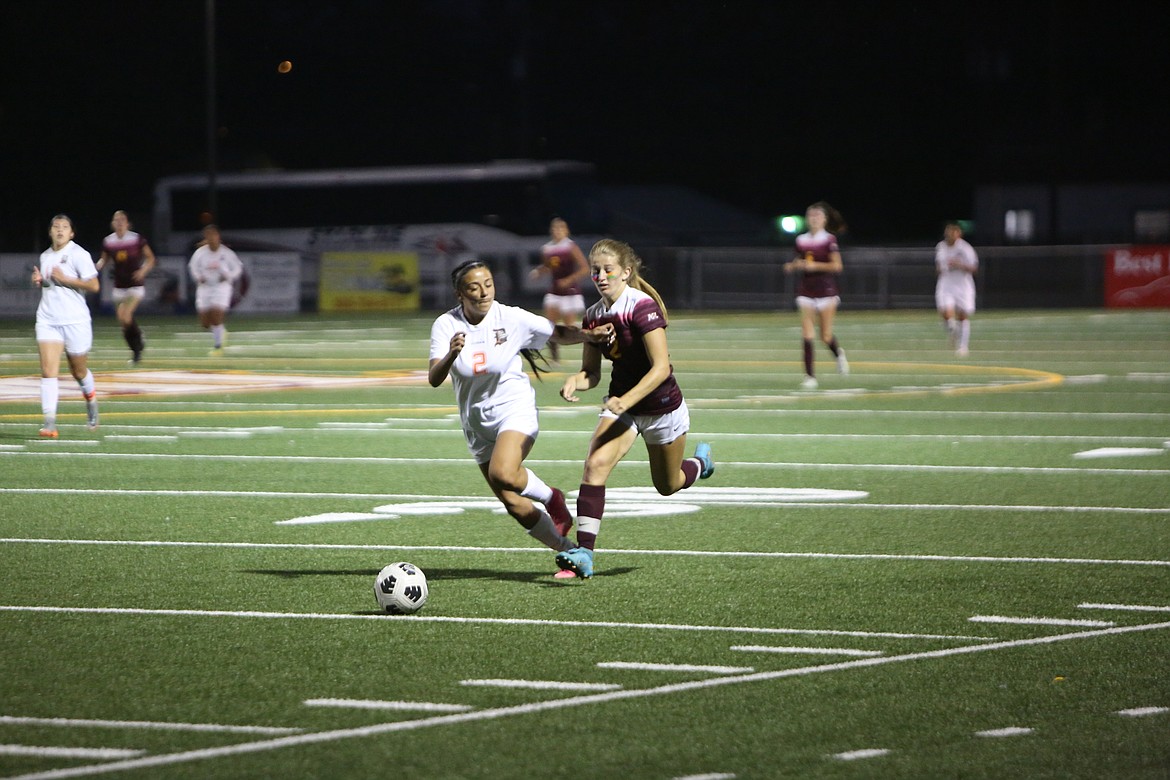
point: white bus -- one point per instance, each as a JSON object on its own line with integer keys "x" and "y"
{"x": 443, "y": 213}
{"x": 489, "y": 207}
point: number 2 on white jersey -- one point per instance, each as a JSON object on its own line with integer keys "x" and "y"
{"x": 479, "y": 363}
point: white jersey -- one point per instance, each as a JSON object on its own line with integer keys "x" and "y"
{"x": 64, "y": 305}
{"x": 489, "y": 372}
{"x": 955, "y": 287}
{"x": 215, "y": 270}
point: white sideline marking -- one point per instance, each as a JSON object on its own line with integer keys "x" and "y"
{"x": 708, "y": 776}
{"x": 1125, "y": 607}
{"x": 228, "y": 434}
{"x": 1141, "y": 712}
{"x": 108, "y": 754}
{"x": 490, "y": 621}
{"x": 336, "y": 517}
{"x": 854, "y": 755}
{"x": 649, "y": 667}
{"x": 12, "y": 720}
{"x": 462, "y": 462}
{"x": 1026, "y": 621}
{"x": 542, "y": 685}
{"x": 1117, "y": 452}
{"x": 139, "y": 437}
{"x": 806, "y": 650}
{"x": 1010, "y": 731}
{"x": 402, "y": 706}
{"x": 542, "y": 551}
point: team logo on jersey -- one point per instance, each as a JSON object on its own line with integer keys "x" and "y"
{"x": 653, "y": 316}
{"x": 501, "y": 335}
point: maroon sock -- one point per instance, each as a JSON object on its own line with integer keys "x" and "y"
{"x": 590, "y": 503}
{"x": 808, "y": 357}
{"x": 690, "y": 469}
{"x": 834, "y": 347}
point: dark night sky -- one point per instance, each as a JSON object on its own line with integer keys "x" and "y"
{"x": 893, "y": 111}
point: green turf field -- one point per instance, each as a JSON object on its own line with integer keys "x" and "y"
{"x": 929, "y": 568}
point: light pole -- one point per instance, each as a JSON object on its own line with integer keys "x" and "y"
{"x": 212, "y": 194}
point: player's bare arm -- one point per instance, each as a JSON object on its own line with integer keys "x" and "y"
{"x": 441, "y": 367}
{"x": 659, "y": 354}
{"x": 587, "y": 378}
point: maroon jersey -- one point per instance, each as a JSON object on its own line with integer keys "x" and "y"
{"x": 816, "y": 249}
{"x": 633, "y": 315}
{"x": 558, "y": 256}
{"x": 127, "y": 256}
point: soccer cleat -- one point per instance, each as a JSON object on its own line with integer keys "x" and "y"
{"x": 578, "y": 560}
{"x": 48, "y": 431}
{"x": 962, "y": 352}
{"x": 91, "y": 411}
{"x": 217, "y": 352}
{"x": 559, "y": 512}
{"x": 564, "y": 574}
{"x": 809, "y": 383}
{"x": 842, "y": 363}
{"x": 703, "y": 453}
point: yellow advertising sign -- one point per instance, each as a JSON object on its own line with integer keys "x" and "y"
{"x": 369, "y": 281}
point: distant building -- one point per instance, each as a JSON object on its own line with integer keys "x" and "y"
{"x": 1073, "y": 213}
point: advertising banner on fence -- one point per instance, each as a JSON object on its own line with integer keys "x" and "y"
{"x": 1138, "y": 276}
{"x": 369, "y": 281}
{"x": 272, "y": 283}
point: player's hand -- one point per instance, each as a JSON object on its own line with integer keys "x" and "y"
{"x": 616, "y": 404}
{"x": 58, "y": 276}
{"x": 37, "y": 279}
{"x": 140, "y": 275}
{"x": 457, "y": 342}
{"x": 603, "y": 334}
{"x": 569, "y": 390}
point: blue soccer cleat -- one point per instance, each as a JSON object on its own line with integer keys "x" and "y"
{"x": 578, "y": 560}
{"x": 703, "y": 453}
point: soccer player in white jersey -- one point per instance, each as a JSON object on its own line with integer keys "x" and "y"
{"x": 643, "y": 400}
{"x": 215, "y": 268}
{"x": 479, "y": 344}
{"x": 954, "y": 292}
{"x": 65, "y": 273}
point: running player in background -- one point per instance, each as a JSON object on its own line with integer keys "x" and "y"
{"x": 479, "y": 344}
{"x": 562, "y": 259}
{"x": 214, "y": 267}
{"x": 643, "y": 399}
{"x": 954, "y": 292}
{"x": 818, "y": 258}
{"x": 65, "y": 273}
{"x": 132, "y": 260}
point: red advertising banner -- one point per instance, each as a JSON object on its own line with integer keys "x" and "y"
{"x": 1138, "y": 277}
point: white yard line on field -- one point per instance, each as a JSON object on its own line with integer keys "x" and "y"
{"x": 591, "y": 624}
{"x": 11, "y": 720}
{"x": 615, "y": 551}
{"x": 562, "y": 703}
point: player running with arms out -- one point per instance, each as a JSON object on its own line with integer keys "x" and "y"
{"x": 479, "y": 344}
{"x": 132, "y": 260}
{"x": 644, "y": 398}
{"x": 818, "y": 259}
{"x": 562, "y": 259}
{"x": 65, "y": 273}
{"x": 954, "y": 292}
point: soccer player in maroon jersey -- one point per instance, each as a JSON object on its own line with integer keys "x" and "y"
{"x": 562, "y": 259}
{"x": 818, "y": 258}
{"x": 644, "y": 398}
{"x": 133, "y": 260}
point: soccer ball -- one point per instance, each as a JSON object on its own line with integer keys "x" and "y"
{"x": 401, "y": 588}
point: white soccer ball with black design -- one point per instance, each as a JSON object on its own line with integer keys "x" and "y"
{"x": 401, "y": 588}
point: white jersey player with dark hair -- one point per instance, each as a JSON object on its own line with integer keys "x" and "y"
{"x": 214, "y": 267}
{"x": 65, "y": 273}
{"x": 954, "y": 292}
{"x": 481, "y": 344}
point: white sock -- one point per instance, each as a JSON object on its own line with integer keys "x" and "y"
{"x": 536, "y": 489}
{"x": 964, "y": 333}
{"x": 50, "y": 390}
{"x": 546, "y": 533}
{"x": 217, "y": 334}
{"x": 86, "y": 382}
